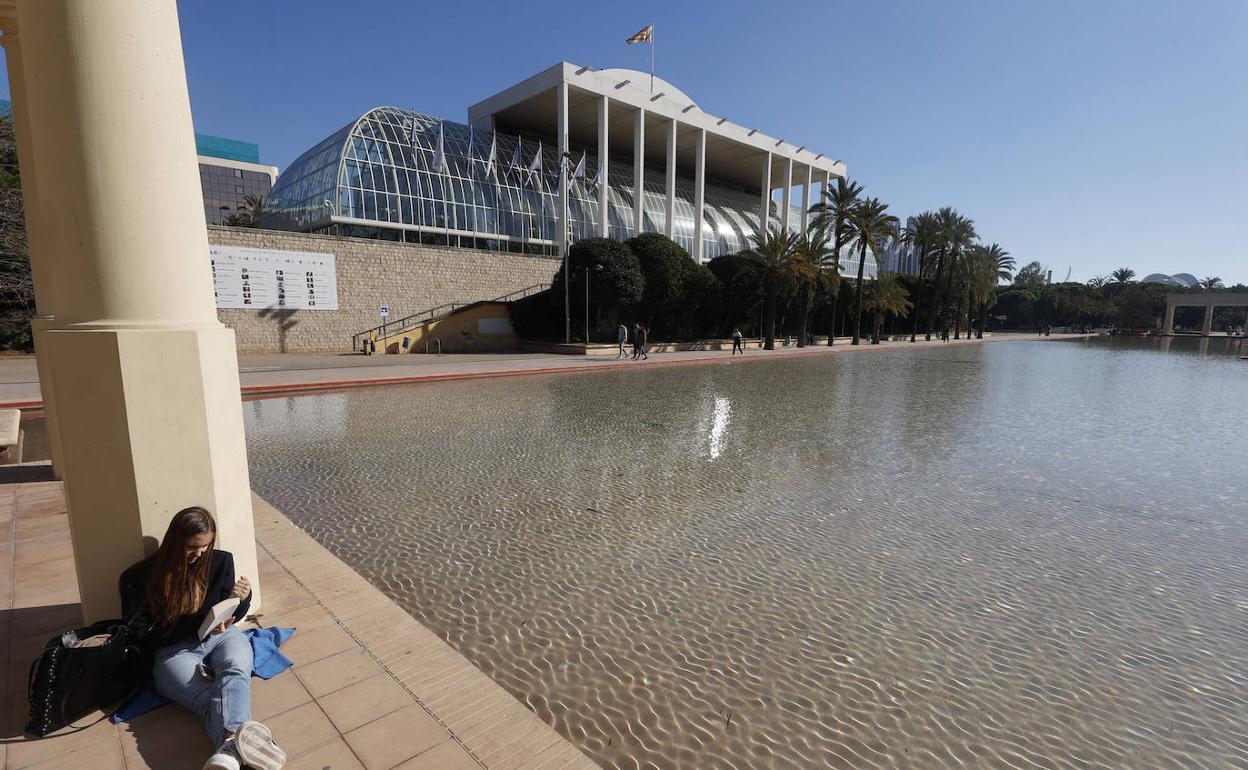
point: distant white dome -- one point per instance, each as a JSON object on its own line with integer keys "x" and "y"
{"x": 1161, "y": 278}
{"x": 1187, "y": 279}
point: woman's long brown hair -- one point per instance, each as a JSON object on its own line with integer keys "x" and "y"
{"x": 175, "y": 588}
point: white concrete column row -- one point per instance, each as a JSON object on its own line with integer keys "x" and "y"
{"x": 144, "y": 377}
{"x": 764, "y": 211}
{"x": 669, "y": 227}
{"x": 561, "y": 130}
{"x": 1206, "y": 325}
{"x": 639, "y": 171}
{"x": 699, "y": 192}
{"x": 1167, "y": 328}
{"x": 787, "y": 193}
{"x": 806, "y": 198}
{"x": 604, "y": 150}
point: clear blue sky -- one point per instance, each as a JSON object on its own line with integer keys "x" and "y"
{"x": 1088, "y": 135}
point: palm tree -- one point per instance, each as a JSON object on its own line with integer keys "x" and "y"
{"x": 992, "y": 265}
{"x": 833, "y": 214}
{"x": 1210, "y": 283}
{"x": 1097, "y": 281}
{"x": 814, "y": 249}
{"x": 888, "y": 296}
{"x": 248, "y": 215}
{"x": 923, "y": 232}
{"x": 774, "y": 256}
{"x": 872, "y": 227}
{"x": 1123, "y": 274}
{"x": 957, "y": 234}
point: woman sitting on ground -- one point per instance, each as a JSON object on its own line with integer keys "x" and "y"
{"x": 166, "y": 598}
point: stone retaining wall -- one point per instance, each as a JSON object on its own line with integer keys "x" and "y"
{"x": 409, "y": 277}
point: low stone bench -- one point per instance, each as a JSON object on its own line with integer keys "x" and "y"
{"x": 11, "y": 435}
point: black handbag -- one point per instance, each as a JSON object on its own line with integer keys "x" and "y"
{"x": 67, "y": 682}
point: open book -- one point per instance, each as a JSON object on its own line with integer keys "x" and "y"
{"x": 220, "y": 612}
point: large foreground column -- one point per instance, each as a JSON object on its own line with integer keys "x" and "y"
{"x": 810, "y": 182}
{"x": 1167, "y": 328}
{"x": 36, "y": 228}
{"x": 764, "y": 211}
{"x": 1207, "y": 325}
{"x": 144, "y": 377}
{"x": 604, "y": 162}
{"x": 787, "y": 193}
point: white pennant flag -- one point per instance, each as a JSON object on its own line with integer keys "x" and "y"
{"x": 472, "y": 161}
{"x": 535, "y": 168}
{"x": 597, "y": 178}
{"x": 489, "y": 163}
{"x": 439, "y": 155}
{"x": 579, "y": 173}
{"x": 515, "y": 156}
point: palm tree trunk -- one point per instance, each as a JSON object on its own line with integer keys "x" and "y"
{"x": 832, "y": 333}
{"x": 983, "y": 318}
{"x": 862, "y": 261}
{"x": 957, "y": 319}
{"x": 769, "y": 311}
{"x": 805, "y": 309}
{"x": 970, "y": 312}
{"x": 918, "y": 309}
{"x": 935, "y": 303}
{"x": 879, "y": 322}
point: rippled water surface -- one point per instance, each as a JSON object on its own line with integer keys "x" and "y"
{"x": 1017, "y": 554}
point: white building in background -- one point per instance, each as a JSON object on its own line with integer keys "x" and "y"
{"x": 704, "y": 181}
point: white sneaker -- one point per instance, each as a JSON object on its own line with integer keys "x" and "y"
{"x": 256, "y": 747}
{"x": 226, "y": 758}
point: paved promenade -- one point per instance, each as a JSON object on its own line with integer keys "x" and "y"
{"x": 371, "y": 687}
{"x": 274, "y": 374}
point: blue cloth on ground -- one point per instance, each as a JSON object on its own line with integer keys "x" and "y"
{"x": 266, "y": 662}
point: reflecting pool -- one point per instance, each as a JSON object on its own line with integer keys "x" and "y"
{"x": 1018, "y": 554}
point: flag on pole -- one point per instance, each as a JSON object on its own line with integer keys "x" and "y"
{"x": 439, "y": 155}
{"x": 515, "y": 156}
{"x": 535, "y": 168}
{"x": 597, "y": 180}
{"x": 644, "y": 36}
{"x": 489, "y": 163}
{"x": 579, "y": 173}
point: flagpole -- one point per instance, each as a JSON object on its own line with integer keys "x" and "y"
{"x": 652, "y": 58}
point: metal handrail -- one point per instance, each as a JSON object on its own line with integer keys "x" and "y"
{"x": 410, "y": 322}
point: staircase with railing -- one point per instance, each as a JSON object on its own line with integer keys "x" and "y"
{"x": 415, "y": 320}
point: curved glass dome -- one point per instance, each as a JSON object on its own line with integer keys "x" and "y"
{"x": 373, "y": 178}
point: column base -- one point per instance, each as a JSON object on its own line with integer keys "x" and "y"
{"x": 150, "y": 422}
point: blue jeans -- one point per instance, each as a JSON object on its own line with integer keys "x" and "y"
{"x": 222, "y": 702}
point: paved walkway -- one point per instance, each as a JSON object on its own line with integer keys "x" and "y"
{"x": 274, "y": 374}
{"x": 371, "y": 688}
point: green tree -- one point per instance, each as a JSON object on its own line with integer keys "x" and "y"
{"x": 957, "y": 233}
{"x": 666, "y": 267}
{"x": 872, "y": 227}
{"x": 17, "y": 289}
{"x": 832, "y": 214}
{"x": 740, "y": 291}
{"x": 1030, "y": 274}
{"x": 774, "y": 259}
{"x": 616, "y": 283}
{"x": 1210, "y": 283}
{"x": 990, "y": 266}
{"x": 923, "y": 232}
{"x": 815, "y": 249}
{"x": 887, "y": 296}
{"x": 1122, "y": 274}
{"x": 1097, "y": 281}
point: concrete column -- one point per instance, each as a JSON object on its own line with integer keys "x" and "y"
{"x": 764, "y": 211}
{"x": 788, "y": 192}
{"x": 1167, "y": 327}
{"x": 144, "y": 377}
{"x": 827, "y": 185}
{"x": 639, "y": 171}
{"x": 699, "y": 193}
{"x": 810, "y": 181}
{"x": 36, "y": 240}
{"x": 604, "y": 152}
{"x": 561, "y": 99}
{"x": 1207, "y": 326}
{"x": 670, "y": 226}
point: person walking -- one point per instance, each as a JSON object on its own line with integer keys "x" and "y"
{"x": 736, "y": 342}
{"x": 641, "y": 342}
{"x": 622, "y": 333}
{"x": 637, "y": 340}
